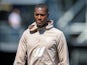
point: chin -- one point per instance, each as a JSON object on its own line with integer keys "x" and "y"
{"x": 39, "y": 26}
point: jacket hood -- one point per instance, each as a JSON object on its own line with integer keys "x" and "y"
{"x": 33, "y": 27}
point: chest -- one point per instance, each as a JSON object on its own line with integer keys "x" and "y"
{"x": 47, "y": 40}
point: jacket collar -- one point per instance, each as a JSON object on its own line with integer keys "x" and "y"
{"x": 33, "y": 27}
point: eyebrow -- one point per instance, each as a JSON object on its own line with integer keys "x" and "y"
{"x": 40, "y": 14}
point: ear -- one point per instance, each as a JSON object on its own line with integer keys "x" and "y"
{"x": 34, "y": 13}
{"x": 47, "y": 14}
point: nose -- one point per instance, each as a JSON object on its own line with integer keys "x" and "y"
{"x": 39, "y": 16}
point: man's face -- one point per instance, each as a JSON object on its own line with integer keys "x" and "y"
{"x": 40, "y": 15}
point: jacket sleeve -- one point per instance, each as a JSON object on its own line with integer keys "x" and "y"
{"x": 21, "y": 51}
{"x": 62, "y": 50}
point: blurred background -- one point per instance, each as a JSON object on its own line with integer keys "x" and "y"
{"x": 70, "y": 16}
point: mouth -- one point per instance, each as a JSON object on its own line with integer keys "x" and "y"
{"x": 39, "y": 22}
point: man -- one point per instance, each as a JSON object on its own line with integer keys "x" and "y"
{"x": 41, "y": 43}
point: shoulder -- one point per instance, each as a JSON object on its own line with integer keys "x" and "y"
{"x": 26, "y": 32}
{"x": 59, "y": 35}
{"x": 56, "y": 31}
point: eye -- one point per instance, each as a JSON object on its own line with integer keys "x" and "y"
{"x": 42, "y": 14}
{"x": 36, "y": 14}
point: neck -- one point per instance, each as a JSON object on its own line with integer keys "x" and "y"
{"x": 42, "y": 25}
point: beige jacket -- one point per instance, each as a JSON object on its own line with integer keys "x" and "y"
{"x": 45, "y": 46}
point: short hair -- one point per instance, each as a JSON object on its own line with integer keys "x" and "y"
{"x": 42, "y": 6}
